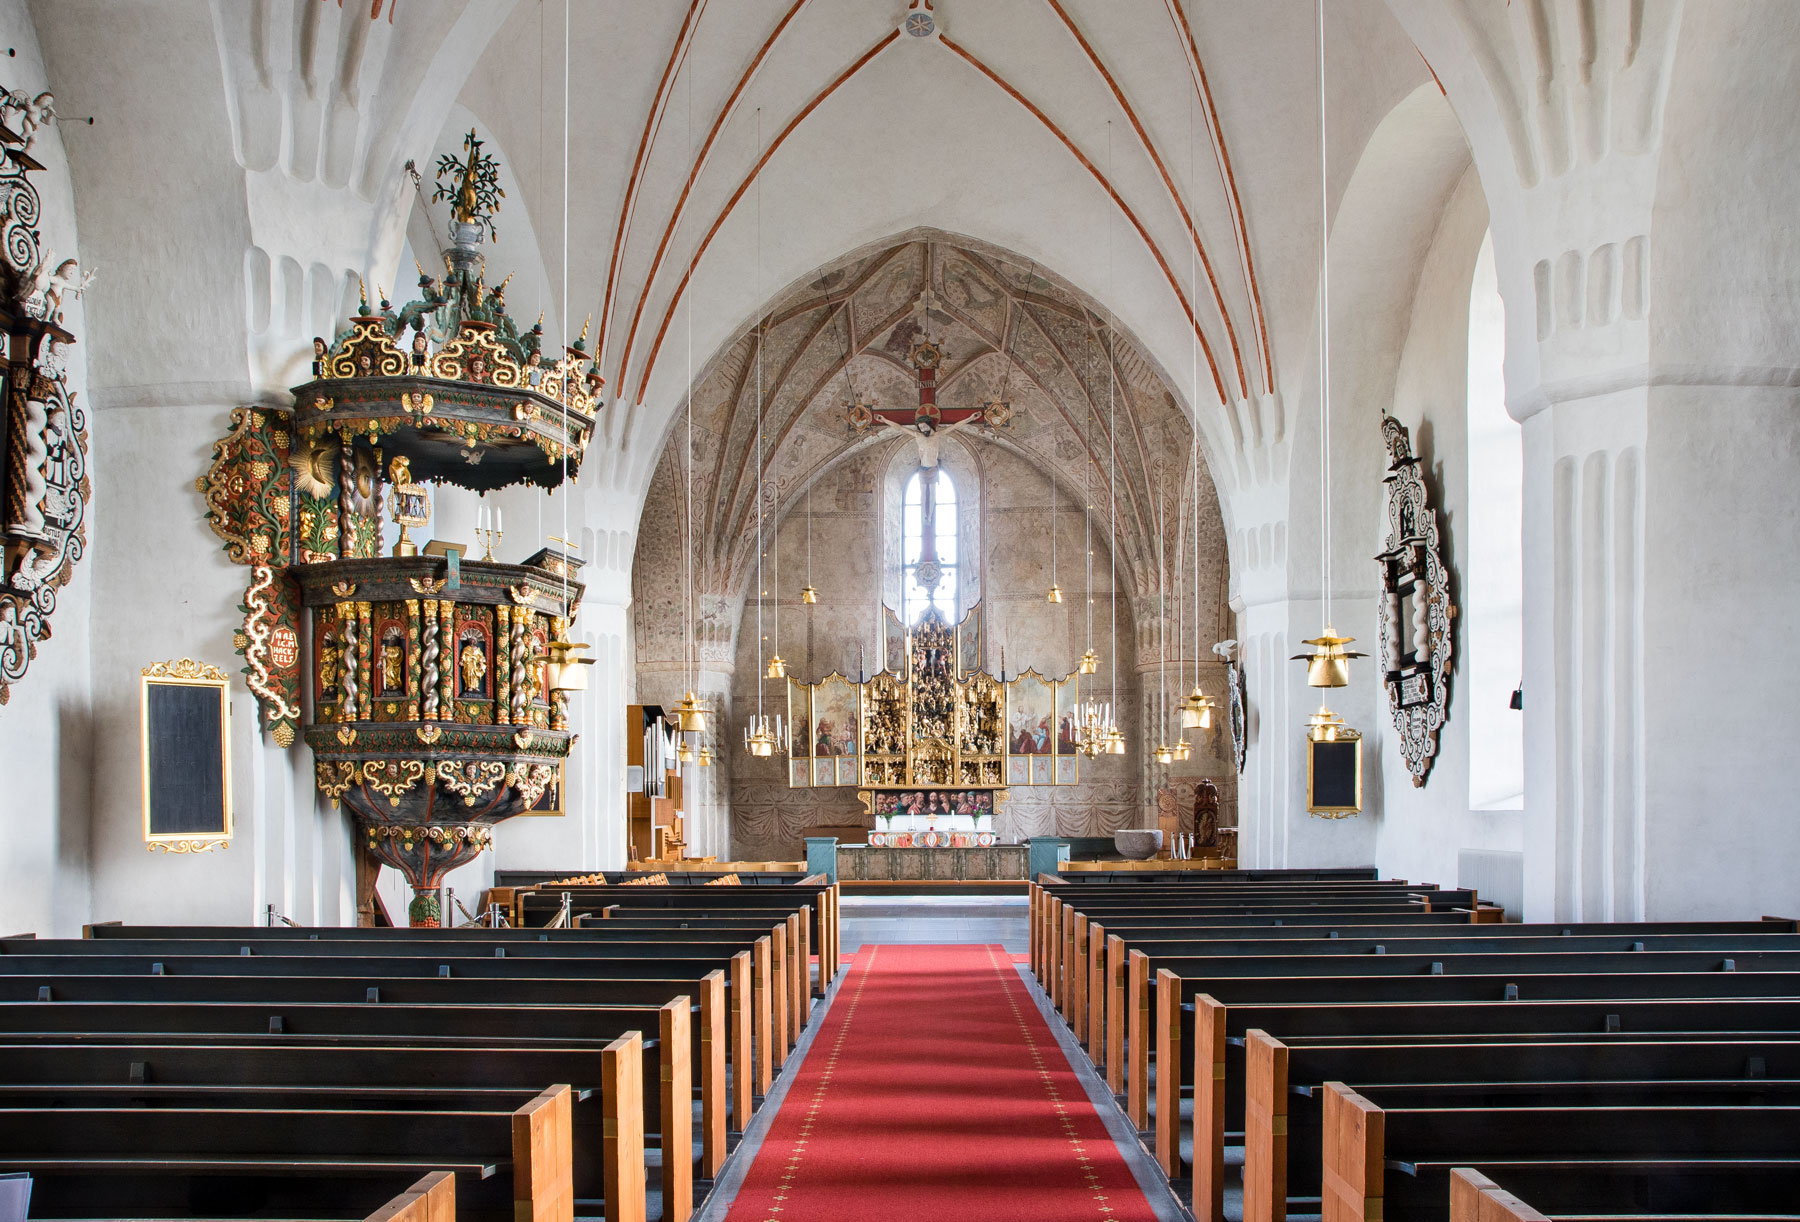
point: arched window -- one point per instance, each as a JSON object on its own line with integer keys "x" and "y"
{"x": 1492, "y": 600}
{"x": 928, "y": 545}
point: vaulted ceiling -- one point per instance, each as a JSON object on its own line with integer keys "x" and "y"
{"x": 1158, "y": 154}
{"x": 1009, "y": 331}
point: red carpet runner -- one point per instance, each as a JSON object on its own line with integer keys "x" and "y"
{"x": 935, "y": 1092}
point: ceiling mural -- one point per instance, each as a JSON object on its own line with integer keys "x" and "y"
{"x": 1008, "y": 332}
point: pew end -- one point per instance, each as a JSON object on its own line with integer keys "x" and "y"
{"x": 743, "y": 1058}
{"x": 432, "y": 1199}
{"x": 1168, "y": 1072}
{"x": 763, "y": 955}
{"x": 1354, "y": 1157}
{"x": 677, "y": 1090}
{"x": 1115, "y": 1014}
{"x": 1476, "y": 1198}
{"x": 1137, "y": 1039}
{"x": 622, "y": 1102}
{"x": 1096, "y": 993}
{"x": 544, "y": 1158}
{"x": 713, "y": 1043}
{"x": 1209, "y": 1112}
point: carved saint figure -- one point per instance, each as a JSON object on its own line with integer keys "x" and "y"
{"x": 1206, "y": 814}
{"x": 329, "y": 656}
{"x": 393, "y": 678}
{"x": 473, "y": 661}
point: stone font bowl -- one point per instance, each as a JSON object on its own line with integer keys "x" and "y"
{"x": 1138, "y": 844}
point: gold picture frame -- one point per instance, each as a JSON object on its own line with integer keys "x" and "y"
{"x": 1334, "y": 751}
{"x": 189, "y": 703}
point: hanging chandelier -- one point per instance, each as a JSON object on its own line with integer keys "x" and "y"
{"x": 691, "y": 715}
{"x": 809, "y": 595}
{"x": 1328, "y": 662}
{"x": 1197, "y": 710}
{"x": 1093, "y": 727}
{"x": 764, "y": 736}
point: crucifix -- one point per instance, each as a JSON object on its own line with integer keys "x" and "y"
{"x": 927, "y": 424}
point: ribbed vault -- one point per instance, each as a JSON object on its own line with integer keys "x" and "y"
{"x": 1076, "y": 384}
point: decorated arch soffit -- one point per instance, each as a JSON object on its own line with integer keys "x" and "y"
{"x": 986, "y": 342}
{"x": 44, "y": 482}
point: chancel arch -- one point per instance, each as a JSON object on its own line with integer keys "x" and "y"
{"x": 1084, "y": 411}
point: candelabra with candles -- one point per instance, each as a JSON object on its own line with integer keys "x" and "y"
{"x": 490, "y": 528}
{"x": 765, "y": 736}
{"x": 1095, "y": 731}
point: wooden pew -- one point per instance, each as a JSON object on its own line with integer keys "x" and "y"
{"x": 1392, "y": 1164}
{"x": 1218, "y": 1065}
{"x": 432, "y": 1199}
{"x": 1284, "y": 1082}
{"x": 140, "y": 1162}
{"x": 1212, "y": 972}
{"x": 666, "y": 976}
{"x": 271, "y": 1066}
{"x": 1279, "y": 952}
{"x": 711, "y": 1034}
{"x": 1476, "y": 1198}
{"x": 382, "y": 1022}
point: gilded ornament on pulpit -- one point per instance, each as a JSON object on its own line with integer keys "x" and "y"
{"x": 473, "y": 662}
{"x": 393, "y": 665}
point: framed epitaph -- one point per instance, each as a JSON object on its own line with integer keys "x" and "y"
{"x": 1334, "y": 776}
{"x": 185, "y": 756}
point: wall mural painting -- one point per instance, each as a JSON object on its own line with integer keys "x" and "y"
{"x": 893, "y": 634}
{"x": 968, "y": 643}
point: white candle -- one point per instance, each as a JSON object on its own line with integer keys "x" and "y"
{"x": 500, "y": 520}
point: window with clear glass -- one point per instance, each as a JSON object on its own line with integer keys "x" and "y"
{"x": 1493, "y": 602}
{"x": 928, "y": 545}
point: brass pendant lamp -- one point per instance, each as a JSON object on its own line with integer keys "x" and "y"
{"x": 1328, "y": 661}
{"x": 764, "y": 735}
